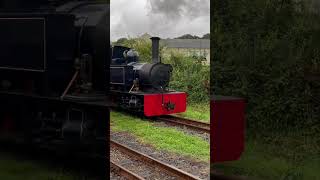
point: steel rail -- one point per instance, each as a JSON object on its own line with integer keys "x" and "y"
{"x": 154, "y": 162}
{"x": 192, "y": 124}
{"x": 125, "y": 172}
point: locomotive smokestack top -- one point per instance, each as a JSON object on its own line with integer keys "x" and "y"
{"x": 155, "y": 49}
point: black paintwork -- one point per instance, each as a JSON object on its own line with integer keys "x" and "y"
{"x": 72, "y": 30}
{"x": 38, "y": 60}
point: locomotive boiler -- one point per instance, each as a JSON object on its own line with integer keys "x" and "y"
{"x": 143, "y": 87}
{"x": 54, "y": 73}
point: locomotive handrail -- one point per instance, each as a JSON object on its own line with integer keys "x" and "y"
{"x": 70, "y": 84}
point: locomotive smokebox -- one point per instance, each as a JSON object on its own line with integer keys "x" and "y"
{"x": 155, "y": 49}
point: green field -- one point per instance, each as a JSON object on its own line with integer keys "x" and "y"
{"x": 278, "y": 156}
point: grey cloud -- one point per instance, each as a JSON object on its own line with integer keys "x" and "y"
{"x": 174, "y": 9}
{"x": 164, "y": 18}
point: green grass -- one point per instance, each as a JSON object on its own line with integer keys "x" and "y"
{"x": 280, "y": 157}
{"x": 199, "y": 112}
{"x": 12, "y": 168}
{"x": 162, "y": 138}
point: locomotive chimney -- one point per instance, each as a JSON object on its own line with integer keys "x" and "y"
{"x": 155, "y": 49}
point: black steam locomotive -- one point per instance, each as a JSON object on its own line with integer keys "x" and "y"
{"x": 143, "y": 87}
{"x": 54, "y": 73}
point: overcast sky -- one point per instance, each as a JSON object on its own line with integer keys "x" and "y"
{"x": 163, "y": 18}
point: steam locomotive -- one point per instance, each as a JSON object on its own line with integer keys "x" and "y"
{"x": 143, "y": 87}
{"x": 54, "y": 73}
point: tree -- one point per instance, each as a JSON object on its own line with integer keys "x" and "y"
{"x": 206, "y": 36}
{"x": 121, "y": 40}
{"x": 188, "y": 36}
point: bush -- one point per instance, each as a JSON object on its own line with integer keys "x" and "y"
{"x": 263, "y": 50}
{"x": 190, "y": 76}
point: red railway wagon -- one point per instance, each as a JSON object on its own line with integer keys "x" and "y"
{"x": 227, "y": 137}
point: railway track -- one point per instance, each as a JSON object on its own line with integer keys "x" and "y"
{"x": 124, "y": 172}
{"x": 191, "y": 124}
{"x": 179, "y": 174}
{"x": 180, "y": 121}
{"x": 167, "y": 168}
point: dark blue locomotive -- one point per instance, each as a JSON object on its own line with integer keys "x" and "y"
{"x": 127, "y": 72}
{"x": 143, "y": 87}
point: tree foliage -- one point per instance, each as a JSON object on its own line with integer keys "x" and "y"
{"x": 188, "y": 36}
{"x": 206, "y": 36}
{"x": 262, "y": 52}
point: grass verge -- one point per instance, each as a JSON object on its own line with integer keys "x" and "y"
{"x": 162, "y": 138}
{"x": 199, "y": 112}
{"x": 282, "y": 157}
